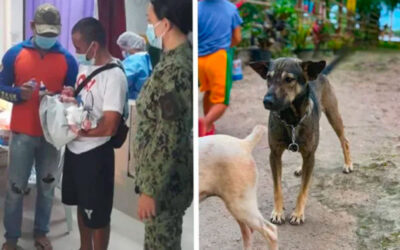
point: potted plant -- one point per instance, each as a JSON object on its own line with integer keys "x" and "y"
{"x": 255, "y": 36}
{"x": 299, "y": 38}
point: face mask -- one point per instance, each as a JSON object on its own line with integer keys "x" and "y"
{"x": 45, "y": 42}
{"x": 151, "y": 36}
{"x": 82, "y": 58}
{"x": 125, "y": 54}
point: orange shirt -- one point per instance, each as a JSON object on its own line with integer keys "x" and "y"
{"x": 22, "y": 63}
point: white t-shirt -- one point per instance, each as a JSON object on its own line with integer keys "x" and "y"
{"x": 105, "y": 92}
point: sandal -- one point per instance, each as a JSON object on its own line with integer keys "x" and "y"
{"x": 43, "y": 243}
{"x": 211, "y": 131}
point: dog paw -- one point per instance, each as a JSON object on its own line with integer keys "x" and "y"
{"x": 298, "y": 171}
{"x": 348, "y": 168}
{"x": 277, "y": 217}
{"x": 296, "y": 219}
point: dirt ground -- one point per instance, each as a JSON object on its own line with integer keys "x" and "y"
{"x": 356, "y": 211}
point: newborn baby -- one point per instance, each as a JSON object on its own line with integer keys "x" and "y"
{"x": 77, "y": 117}
{"x": 67, "y": 95}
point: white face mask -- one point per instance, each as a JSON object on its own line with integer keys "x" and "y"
{"x": 151, "y": 36}
{"x": 82, "y": 58}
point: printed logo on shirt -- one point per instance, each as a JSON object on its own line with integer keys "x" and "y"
{"x": 89, "y": 213}
{"x": 88, "y": 86}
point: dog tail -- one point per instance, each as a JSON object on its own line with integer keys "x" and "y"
{"x": 255, "y": 136}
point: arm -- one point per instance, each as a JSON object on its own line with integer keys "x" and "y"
{"x": 7, "y": 91}
{"x": 236, "y": 29}
{"x": 155, "y": 167}
{"x": 72, "y": 70}
{"x": 160, "y": 137}
{"x": 236, "y": 36}
{"x": 107, "y": 126}
{"x": 155, "y": 171}
{"x": 163, "y": 140}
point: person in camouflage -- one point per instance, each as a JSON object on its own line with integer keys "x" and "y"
{"x": 163, "y": 144}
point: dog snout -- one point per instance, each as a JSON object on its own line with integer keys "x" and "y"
{"x": 269, "y": 101}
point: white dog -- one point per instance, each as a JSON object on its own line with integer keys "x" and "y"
{"x": 227, "y": 170}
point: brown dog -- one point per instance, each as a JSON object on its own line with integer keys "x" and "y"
{"x": 227, "y": 170}
{"x": 297, "y": 93}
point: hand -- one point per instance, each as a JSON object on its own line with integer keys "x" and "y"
{"x": 82, "y": 133}
{"x": 77, "y": 131}
{"x": 74, "y": 129}
{"x": 26, "y": 91}
{"x": 66, "y": 99}
{"x": 86, "y": 124}
{"x": 146, "y": 207}
{"x": 68, "y": 91}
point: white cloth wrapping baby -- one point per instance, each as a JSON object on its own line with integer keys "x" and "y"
{"x": 60, "y": 121}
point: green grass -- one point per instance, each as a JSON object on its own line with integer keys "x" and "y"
{"x": 388, "y": 45}
{"x": 391, "y": 241}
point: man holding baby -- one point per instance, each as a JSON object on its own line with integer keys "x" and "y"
{"x": 88, "y": 177}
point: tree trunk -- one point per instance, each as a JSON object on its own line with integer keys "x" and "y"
{"x": 327, "y": 9}
{"x": 340, "y": 17}
{"x": 391, "y": 23}
{"x": 299, "y": 4}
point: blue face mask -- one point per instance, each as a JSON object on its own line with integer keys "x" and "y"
{"x": 125, "y": 54}
{"x": 45, "y": 42}
{"x": 82, "y": 58}
{"x": 151, "y": 36}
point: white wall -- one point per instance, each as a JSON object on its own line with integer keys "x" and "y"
{"x": 3, "y": 27}
{"x": 11, "y": 24}
{"x": 96, "y": 10}
{"x": 136, "y": 19}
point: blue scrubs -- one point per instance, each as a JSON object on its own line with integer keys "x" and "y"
{"x": 137, "y": 69}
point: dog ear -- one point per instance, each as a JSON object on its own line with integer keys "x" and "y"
{"x": 312, "y": 69}
{"x": 261, "y": 67}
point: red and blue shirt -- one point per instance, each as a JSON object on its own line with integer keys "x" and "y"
{"x": 23, "y": 62}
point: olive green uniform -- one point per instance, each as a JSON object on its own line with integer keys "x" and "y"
{"x": 163, "y": 146}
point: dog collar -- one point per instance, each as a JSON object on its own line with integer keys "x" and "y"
{"x": 294, "y": 147}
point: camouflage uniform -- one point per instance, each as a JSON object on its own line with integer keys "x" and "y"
{"x": 163, "y": 146}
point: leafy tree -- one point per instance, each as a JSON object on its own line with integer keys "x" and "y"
{"x": 368, "y": 12}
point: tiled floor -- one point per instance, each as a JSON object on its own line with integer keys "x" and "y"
{"x": 127, "y": 233}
